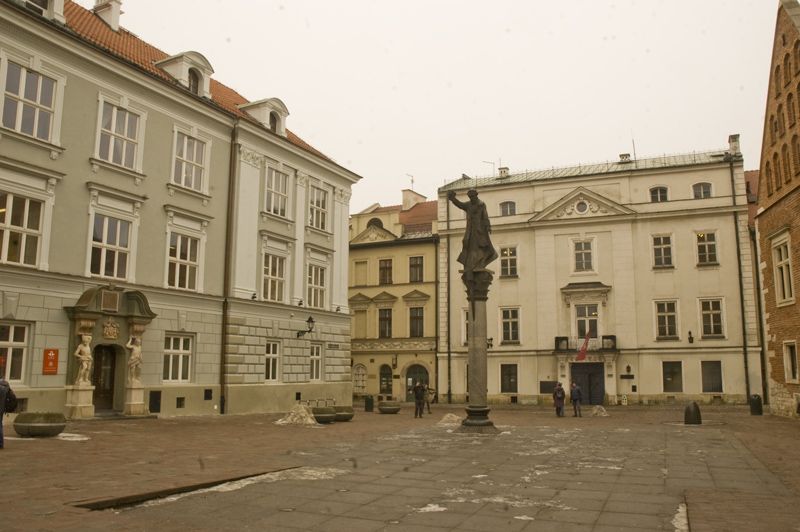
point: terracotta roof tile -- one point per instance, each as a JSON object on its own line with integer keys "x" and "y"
{"x": 130, "y": 48}
{"x": 421, "y": 213}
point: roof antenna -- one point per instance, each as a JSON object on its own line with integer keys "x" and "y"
{"x": 412, "y": 181}
{"x": 633, "y": 142}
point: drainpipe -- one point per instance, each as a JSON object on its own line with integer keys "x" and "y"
{"x": 233, "y": 179}
{"x": 764, "y": 384}
{"x": 436, "y": 313}
{"x": 449, "y": 320}
{"x": 730, "y": 157}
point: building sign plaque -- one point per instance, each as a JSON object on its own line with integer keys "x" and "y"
{"x": 50, "y": 362}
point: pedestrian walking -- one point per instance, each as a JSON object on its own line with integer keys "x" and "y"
{"x": 8, "y": 403}
{"x": 419, "y": 398}
{"x": 430, "y": 395}
{"x": 558, "y": 399}
{"x": 576, "y": 396}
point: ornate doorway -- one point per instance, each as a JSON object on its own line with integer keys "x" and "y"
{"x": 413, "y": 374}
{"x": 591, "y": 378}
{"x": 103, "y": 373}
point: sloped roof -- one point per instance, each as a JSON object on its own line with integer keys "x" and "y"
{"x": 126, "y": 46}
{"x": 421, "y": 213}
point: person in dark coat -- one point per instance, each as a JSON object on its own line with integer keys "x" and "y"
{"x": 5, "y": 389}
{"x": 576, "y": 396}
{"x": 419, "y": 398}
{"x": 559, "y": 395}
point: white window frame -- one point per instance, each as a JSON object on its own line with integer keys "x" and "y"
{"x": 273, "y": 195}
{"x": 35, "y": 188}
{"x": 359, "y": 379}
{"x": 316, "y": 357}
{"x": 782, "y": 271}
{"x": 575, "y": 318}
{"x": 205, "y": 166}
{"x": 123, "y": 206}
{"x": 702, "y": 190}
{"x": 318, "y": 207}
{"x": 669, "y": 247}
{"x": 510, "y": 320}
{"x": 121, "y": 102}
{"x": 180, "y": 355}
{"x": 272, "y": 362}
{"x": 186, "y": 264}
{"x": 654, "y": 187}
{"x": 317, "y": 294}
{"x": 674, "y": 314}
{"x": 508, "y": 208}
{"x": 278, "y": 248}
{"x": 722, "y": 318}
{"x": 714, "y": 244}
{"x": 25, "y": 233}
{"x": 105, "y": 247}
{"x": 592, "y": 255}
{"x": 186, "y": 224}
{"x": 787, "y": 365}
{"x": 7, "y": 346}
{"x": 40, "y": 66}
{"x": 273, "y": 281}
{"x": 508, "y": 262}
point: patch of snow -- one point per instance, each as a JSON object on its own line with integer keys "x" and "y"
{"x": 524, "y": 517}
{"x": 68, "y": 436}
{"x": 681, "y": 520}
{"x": 431, "y": 508}
{"x": 298, "y": 415}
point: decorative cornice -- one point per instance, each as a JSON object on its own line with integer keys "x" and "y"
{"x": 394, "y": 344}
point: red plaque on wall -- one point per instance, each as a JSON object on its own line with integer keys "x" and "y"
{"x": 50, "y": 362}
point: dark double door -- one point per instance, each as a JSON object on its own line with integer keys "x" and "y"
{"x": 589, "y": 376}
{"x": 105, "y": 358}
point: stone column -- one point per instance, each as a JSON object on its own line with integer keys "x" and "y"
{"x": 477, "y": 419}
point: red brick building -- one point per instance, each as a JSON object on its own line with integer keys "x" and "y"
{"x": 777, "y": 223}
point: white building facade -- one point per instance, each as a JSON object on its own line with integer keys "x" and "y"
{"x": 645, "y": 261}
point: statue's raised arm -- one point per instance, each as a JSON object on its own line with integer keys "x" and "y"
{"x": 477, "y": 250}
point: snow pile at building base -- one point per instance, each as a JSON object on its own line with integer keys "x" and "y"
{"x": 298, "y": 415}
{"x": 599, "y": 411}
{"x": 450, "y": 419}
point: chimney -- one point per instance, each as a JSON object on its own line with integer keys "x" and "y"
{"x": 624, "y": 157}
{"x": 109, "y": 11}
{"x": 733, "y": 145}
{"x": 411, "y": 198}
{"x": 503, "y": 171}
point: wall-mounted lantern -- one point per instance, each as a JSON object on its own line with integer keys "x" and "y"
{"x": 309, "y": 324}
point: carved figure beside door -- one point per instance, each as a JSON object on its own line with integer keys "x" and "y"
{"x": 84, "y": 355}
{"x": 135, "y": 361}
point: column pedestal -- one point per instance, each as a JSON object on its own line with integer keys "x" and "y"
{"x": 80, "y": 403}
{"x": 134, "y": 401}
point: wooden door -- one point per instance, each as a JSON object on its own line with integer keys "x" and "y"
{"x": 103, "y": 377}
{"x": 589, "y": 376}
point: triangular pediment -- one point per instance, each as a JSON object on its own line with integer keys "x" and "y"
{"x": 384, "y": 297}
{"x": 416, "y": 295}
{"x": 581, "y": 203}
{"x": 373, "y": 233}
{"x": 359, "y": 298}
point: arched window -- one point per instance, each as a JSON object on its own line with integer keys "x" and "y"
{"x": 768, "y": 173}
{"x": 273, "y": 121}
{"x": 508, "y": 208}
{"x": 385, "y": 380}
{"x": 787, "y": 69}
{"x": 359, "y": 379}
{"x": 787, "y": 170}
{"x": 772, "y": 130}
{"x": 796, "y": 154}
{"x": 797, "y": 56}
{"x": 776, "y": 166}
{"x": 777, "y": 79}
{"x": 790, "y": 111}
{"x": 194, "y": 81}
{"x": 658, "y": 194}
{"x": 781, "y": 121}
{"x": 375, "y": 222}
{"x": 701, "y": 190}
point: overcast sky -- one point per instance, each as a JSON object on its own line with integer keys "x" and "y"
{"x": 434, "y": 89}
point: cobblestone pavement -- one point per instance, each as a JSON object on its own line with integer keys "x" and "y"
{"x": 638, "y": 469}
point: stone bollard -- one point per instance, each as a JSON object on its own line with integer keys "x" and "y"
{"x": 691, "y": 416}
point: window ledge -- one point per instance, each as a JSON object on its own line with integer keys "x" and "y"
{"x": 321, "y": 232}
{"x": 713, "y": 337}
{"x": 667, "y": 338}
{"x": 266, "y": 216}
{"x": 785, "y": 303}
{"x": 663, "y": 268}
{"x": 709, "y": 265}
{"x": 509, "y": 276}
{"x": 510, "y": 342}
{"x": 173, "y": 188}
{"x": 97, "y": 164}
{"x": 55, "y": 150}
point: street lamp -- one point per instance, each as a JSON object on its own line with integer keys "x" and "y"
{"x": 309, "y": 324}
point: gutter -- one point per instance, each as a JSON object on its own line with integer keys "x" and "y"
{"x": 233, "y": 180}
{"x": 449, "y": 320}
{"x": 763, "y": 353}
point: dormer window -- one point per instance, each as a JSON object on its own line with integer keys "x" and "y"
{"x": 191, "y": 70}
{"x": 37, "y": 6}
{"x": 51, "y": 9}
{"x": 194, "y": 81}
{"x": 274, "y": 120}
{"x": 270, "y": 113}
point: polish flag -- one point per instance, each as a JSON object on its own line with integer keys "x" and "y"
{"x": 582, "y": 350}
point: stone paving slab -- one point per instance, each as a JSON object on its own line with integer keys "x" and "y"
{"x": 631, "y": 471}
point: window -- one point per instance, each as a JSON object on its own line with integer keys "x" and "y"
{"x": 194, "y": 81}
{"x": 271, "y": 358}
{"x": 29, "y": 102}
{"x": 360, "y": 273}
{"x": 274, "y": 272}
{"x": 583, "y": 256}
{"x": 385, "y": 271}
{"x": 666, "y": 320}
{"x": 768, "y": 172}
{"x": 787, "y": 70}
{"x": 773, "y": 129}
{"x": 315, "y": 296}
{"x": 706, "y": 248}
{"x": 119, "y": 133}
{"x": 776, "y": 166}
{"x": 315, "y": 363}
{"x": 796, "y": 154}
{"x": 711, "y": 371}
{"x": 673, "y": 376}
{"x": 277, "y": 192}
{"x": 110, "y": 247}
{"x": 701, "y": 190}
{"x": 508, "y": 378}
{"x": 790, "y": 110}
{"x": 711, "y": 313}
{"x": 416, "y": 322}
{"x": 777, "y": 80}
{"x": 784, "y": 286}
{"x": 13, "y": 350}
{"x": 183, "y": 261}
{"x": 781, "y": 120}
{"x": 658, "y": 194}
{"x": 787, "y": 169}
{"x": 508, "y": 208}
{"x": 385, "y": 384}
{"x": 189, "y": 157}
{"x": 415, "y": 271}
{"x": 384, "y": 323}
{"x": 318, "y": 205}
{"x": 177, "y": 358}
{"x": 662, "y": 251}
{"x": 586, "y": 320}
{"x": 465, "y": 328}
{"x": 790, "y": 362}
{"x": 359, "y": 379}
{"x": 510, "y": 325}
{"x": 20, "y": 229}
{"x": 508, "y": 261}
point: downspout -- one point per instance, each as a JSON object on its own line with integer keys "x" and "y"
{"x": 449, "y": 320}
{"x": 730, "y": 158}
{"x": 436, "y": 303}
{"x": 764, "y": 384}
{"x": 233, "y": 180}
